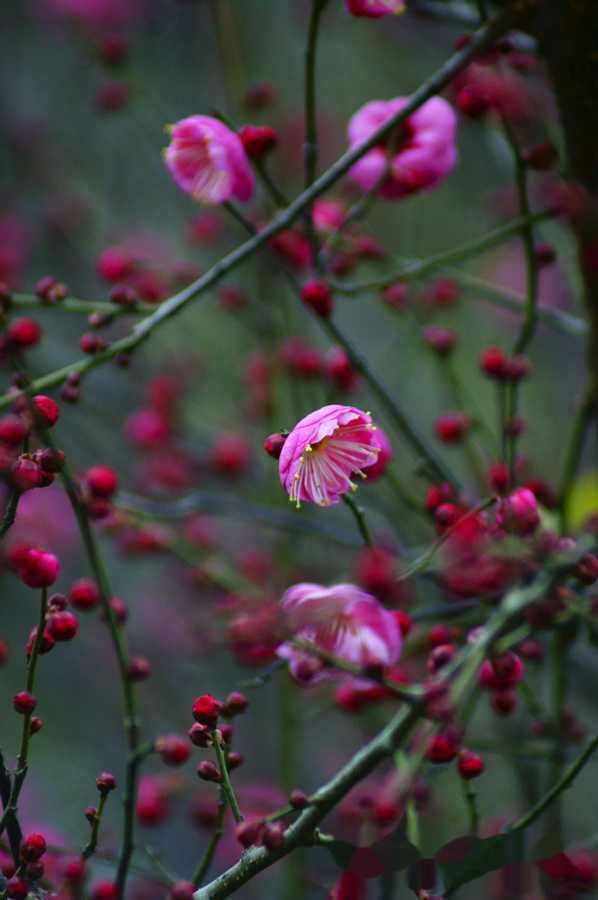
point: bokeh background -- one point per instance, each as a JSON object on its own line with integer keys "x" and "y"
{"x": 220, "y": 539}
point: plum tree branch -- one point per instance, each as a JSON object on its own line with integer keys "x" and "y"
{"x": 173, "y": 306}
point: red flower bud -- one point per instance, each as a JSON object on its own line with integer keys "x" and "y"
{"x": 318, "y": 296}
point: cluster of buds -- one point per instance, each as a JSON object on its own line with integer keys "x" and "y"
{"x": 500, "y": 676}
{"x": 208, "y": 729}
{"x": 99, "y": 484}
{"x": 30, "y": 469}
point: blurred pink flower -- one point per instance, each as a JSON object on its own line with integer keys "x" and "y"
{"x": 14, "y": 247}
{"x": 103, "y": 14}
{"x": 416, "y": 156}
{"x": 207, "y": 160}
{"x": 341, "y": 620}
{"x": 324, "y": 450}
{"x": 45, "y": 517}
{"x": 375, "y": 9}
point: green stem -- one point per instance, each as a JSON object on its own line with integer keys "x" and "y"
{"x": 11, "y": 808}
{"x": 86, "y": 307}
{"x": 207, "y": 858}
{"x": 471, "y": 801}
{"x": 557, "y": 789}
{"x": 10, "y": 512}
{"x": 415, "y": 270}
{"x": 506, "y": 299}
{"x": 310, "y": 150}
{"x": 92, "y": 843}
{"x": 136, "y": 757}
{"x": 224, "y": 774}
{"x": 587, "y": 411}
{"x": 383, "y": 745}
{"x": 359, "y": 515}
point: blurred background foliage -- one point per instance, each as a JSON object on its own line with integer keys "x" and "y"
{"x": 75, "y": 180}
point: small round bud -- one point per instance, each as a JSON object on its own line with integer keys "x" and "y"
{"x": 258, "y": 140}
{"x": 46, "y": 408}
{"x": 35, "y": 724}
{"x": 62, "y": 626}
{"x": 105, "y": 890}
{"x": 24, "y": 332}
{"x": 451, "y": 428}
{"x": 442, "y": 749}
{"x": 91, "y": 813}
{"x": 33, "y": 847}
{"x": 101, "y": 481}
{"x": 208, "y": 771}
{"x": 38, "y": 568}
{"x": 84, "y": 594}
{"x": 24, "y": 703}
{"x": 16, "y": 888}
{"x": 200, "y": 735}
{"x": 105, "y": 782}
{"x": 441, "y": 340}
{"x": 495, "y": 363}
{"x": 182, "y": 890}
{"x": 470, "y": 765}
{"x": 318, "y": 296}
{"x": 173, "y": 749}
{"x": 272, "y": 836}
{"x": 235, "y": 704}
{"x": 92, "y": 343}
{"x": 139, "y": 668}
{"x": 298, "y": 799}
{"x": 273, "y": 445}
{"x": 249, "y": 832}
{"x": 234, "y": 759}
{"x": 206, "y": 710}
{"x": 43, "y": 286}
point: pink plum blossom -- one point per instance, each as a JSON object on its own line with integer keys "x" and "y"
{"x": 518, "y": 513}
{"x": 324, "y": 450}
{"x": 342, "y": 621}
{"x": 207, "y": 160}
{"x": 375, "y": 9}
{"x": 417, "y": 156}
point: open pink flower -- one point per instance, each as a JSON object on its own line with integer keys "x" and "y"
{"x": 417, "y": 156}
{"x": 324, "y": 450}
{"x": 375, "y": 9}
{"x": 207, "y": 160}
{"x": 344, "y": 622}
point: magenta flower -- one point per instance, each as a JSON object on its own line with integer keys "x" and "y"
{"x": 417, "y": 156}
{"x": 342, "y": 621}
{"x": 518, "y": 513}
{"x": 324, "y": 450}
{"x": 375, "y": 9}
{"x": 207, "y": 160}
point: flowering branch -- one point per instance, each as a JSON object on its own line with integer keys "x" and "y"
{"x": 10, "y": 809}
{"x": 256, "y": 859}
{"x": 177, "y": 302}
